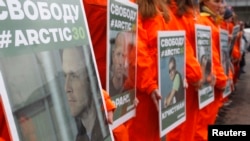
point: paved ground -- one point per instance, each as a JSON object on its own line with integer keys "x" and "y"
{"x": 238, "y": 112}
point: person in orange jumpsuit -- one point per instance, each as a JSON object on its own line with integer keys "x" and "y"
{"x": 96, "y": 11}
{"x": 153, "y": 16}
{"x": 233, "y": 23}
{"x": 151, "y": 23}
{"x": 227, "y": 25}
{"x": 236, "y": 54}
{"x": 186, "y": 13}
{"x": 4, "y": 127}
{"x": 210, "y": 10}
{"x": 145, "y": 126}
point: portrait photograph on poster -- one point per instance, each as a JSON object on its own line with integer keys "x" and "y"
{"x": 121, "y": 59}
{"x": 204, "y": 56}
{"x": 49, "y": 80}
{"x": 171, "y": 48}
{"x": 225, "y": 59}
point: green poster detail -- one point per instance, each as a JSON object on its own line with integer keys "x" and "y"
{"x": 45, "y": 25}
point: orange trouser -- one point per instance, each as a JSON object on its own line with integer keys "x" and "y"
{"x": 145, "y": 125}
{"x": 207, "y": 116}
{"x": 121, "y": 133}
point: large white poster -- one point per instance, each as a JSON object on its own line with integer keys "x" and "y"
{"x": 204, "y": 55}
{"x": 171, "y": 66}
{"x": 51, "y": 87}
{"x": 121, "y": 56}
{"x": 225, "y": 59}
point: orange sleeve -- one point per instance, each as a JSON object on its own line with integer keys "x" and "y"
{"x": 231, "y": 26}
{"x": 223, "y": 25}
{"x": 217, "y": 67}
{"x": 145, "y": 71}
{"x": 236, "y": 54}
{"x": 109, "y": 104}
{"x": 193, "y": 69}
{"x": 152, "y": 26}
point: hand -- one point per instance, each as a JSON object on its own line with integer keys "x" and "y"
{"x": 185, "y": 83}
{"x": 110, "y": 117}
{"x": 211, "y": 79}
{"x": 214, "y": 80}
{"x": 230, "y": 36}
{"x": 155, "y": 95}
{"x": 232, "y": 85}
{"x": 197, "y": 85}
{"x": 136, "y": 101}
{"x": 167, "y": 102}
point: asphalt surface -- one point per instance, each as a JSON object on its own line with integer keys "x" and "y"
{"x": 238, "y": 111}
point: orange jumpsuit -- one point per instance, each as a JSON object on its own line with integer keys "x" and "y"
{"x": 96, "y": 11}
{"x": 185, "y": 131}
{"x": 227, "y": 26}
{"x": 152, "y": 28}
{"x": 208, "y": 114}
{"x": 108, "y": 102}
{"x": 4, "y": 129}
{"x": 145, "y": 125}
{"x": 151, "y": 25}
{"x": 236, "y": 56}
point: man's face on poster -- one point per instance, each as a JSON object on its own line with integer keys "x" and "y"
{"x": 76, "y": 83}
{"x": 204, "y": 62}
{"x": 171, "y": 70}
{"x": 119, "y": 57}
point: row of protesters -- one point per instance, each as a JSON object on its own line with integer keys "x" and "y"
{"x": 210, "y": 15}
{"x": 200, "y": 119}
{"x": 153, "y": 20}
{"x": 156, "y": 15}
{"x": 238, "y": 51}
